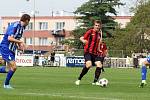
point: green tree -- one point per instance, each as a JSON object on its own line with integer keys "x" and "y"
{"x": 136, "y": 36}
{"x": 95, "y": 10}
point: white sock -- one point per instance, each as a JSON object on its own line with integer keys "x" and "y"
{"x": 143, "y": 81}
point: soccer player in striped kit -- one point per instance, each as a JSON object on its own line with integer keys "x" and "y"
{"x": 10, "y": 43}
{"x": 102, "y": 52}
{"x": 91, "y": 40}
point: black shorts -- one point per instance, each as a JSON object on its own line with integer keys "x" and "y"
{"x": 93, "y": 58}
{"x": 52, "y": 59}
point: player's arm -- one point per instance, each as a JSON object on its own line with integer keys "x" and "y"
{"x": 11, "y": 33}
{"x": 20, "y": 44}
{"x": 106, "y": 50}
{"x": 12, "y": 39}
{"x": 84, "y": 39}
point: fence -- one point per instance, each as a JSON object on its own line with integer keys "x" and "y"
{"x": 71, "y": 61}
{"x": 111, "y": 53}
{"x": 118, "y": 62}
{"x": 78, "y": 61}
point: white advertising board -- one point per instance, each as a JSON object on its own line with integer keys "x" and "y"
{"x": 23, "y": 60}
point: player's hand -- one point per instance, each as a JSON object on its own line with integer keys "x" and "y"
{"x": 22, "y": 46}
{"x": 85, "y": 41}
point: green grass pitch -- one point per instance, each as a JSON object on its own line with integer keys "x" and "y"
{"x": 37, "y": 83}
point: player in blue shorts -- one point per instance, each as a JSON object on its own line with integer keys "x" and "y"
{"x": 10, "y": 43}
{"x": 145, "y": 63}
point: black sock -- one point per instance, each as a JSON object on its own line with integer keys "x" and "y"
{"x": 103, "y": 69}
{"x": 84, "y": 71}
{"x": 97, "y": 73}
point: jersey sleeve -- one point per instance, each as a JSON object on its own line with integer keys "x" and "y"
{"x": 87, "y": 34}
{"x": 12, "y": 29}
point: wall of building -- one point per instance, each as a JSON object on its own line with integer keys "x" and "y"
{"x": 70, "y": 23}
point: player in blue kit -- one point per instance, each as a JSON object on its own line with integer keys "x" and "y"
{"x": 10, "y": 43}
{"x": 145, "y": 63}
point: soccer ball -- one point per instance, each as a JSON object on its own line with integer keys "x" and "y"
{"x": 103, "y": 82}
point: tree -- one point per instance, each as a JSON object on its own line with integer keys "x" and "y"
{"x": 96, "y": 10}
{"x": 136, "y": 36}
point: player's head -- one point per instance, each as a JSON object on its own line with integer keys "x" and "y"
{"x": 97, "y": 25}
{"x": 25, "y": 18}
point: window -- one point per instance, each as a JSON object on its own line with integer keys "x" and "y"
{"x": 59, "y": 40}
{"x": 59, "y": 25}
{"x": 28, "y": 41}
{"x": 43, "y": 25}
{"x": 42, "y": 41}
{"x": 30, "y": 26}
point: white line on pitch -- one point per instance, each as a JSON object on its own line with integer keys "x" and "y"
{"x": 70, "y": 96}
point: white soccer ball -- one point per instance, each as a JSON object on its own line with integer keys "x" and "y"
{"x": 103, "y": 82}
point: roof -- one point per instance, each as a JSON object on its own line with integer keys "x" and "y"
{"x": 40, "y": 17}
{"x": 60, "y": 17}
{"x": 121, "y": 17}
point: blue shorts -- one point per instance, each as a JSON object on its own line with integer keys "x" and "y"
{"x": 7, "y": 55}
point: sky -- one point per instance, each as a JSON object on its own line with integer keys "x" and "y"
{"x": 45, "y": 7}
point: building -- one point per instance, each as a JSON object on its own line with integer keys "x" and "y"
{"x": 48, "y": 31}
{"x": 122, "y": 20}
{"x": 44, "y": 33}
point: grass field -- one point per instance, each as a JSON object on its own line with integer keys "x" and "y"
{"x": 35, "y": 83}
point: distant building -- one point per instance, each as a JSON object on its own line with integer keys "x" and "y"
{"x": 122, "y": 20}
{"x": 50, "y": 30}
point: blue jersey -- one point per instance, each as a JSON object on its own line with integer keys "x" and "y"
{"x": 15, "y": 30}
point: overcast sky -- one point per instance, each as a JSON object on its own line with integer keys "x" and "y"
{"x": 45, "y": 7}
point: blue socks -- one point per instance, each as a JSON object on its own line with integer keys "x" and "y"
{"x": 143, "y": 72}
{"x": 3, "y": 69}
{"x": 9, "y": 75}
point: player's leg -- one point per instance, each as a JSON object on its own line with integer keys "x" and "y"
{"x": 11, "y": 64}
{"x": 98, "y": 70}
{"x": 3, "y": 53}
{"x": 85, "y": 69}
{"x": 102, "y": 64}
{"x": 12, "y": 69}
{"x": 3, "y": 69}
{"x": 144, "y": 72}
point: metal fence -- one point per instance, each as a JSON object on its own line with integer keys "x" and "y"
{"x": 109, "y": 62}
{"x": 118, "y": 62}
{"x": 111, "y": 53}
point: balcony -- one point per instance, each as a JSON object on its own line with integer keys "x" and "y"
{"x": 59, "y": 33}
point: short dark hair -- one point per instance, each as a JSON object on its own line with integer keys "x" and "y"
{"x": 98, "y": 21}
{"x": 25, "y": 17}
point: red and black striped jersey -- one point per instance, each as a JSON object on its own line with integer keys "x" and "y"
{"x": 93, "y": 38}
{"x": 102, "y": 50}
